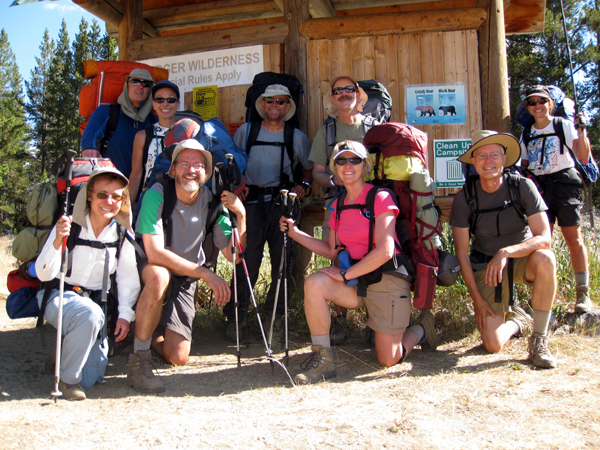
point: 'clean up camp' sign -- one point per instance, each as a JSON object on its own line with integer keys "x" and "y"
{"x": 448, "y": 171}
{"x": 229, "y": 67}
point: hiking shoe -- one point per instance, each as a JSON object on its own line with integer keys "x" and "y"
{"x": 539, "y": 354}
{"x": 319, "y": 366}
{"x": 341, "y": 331}
{"x": 522, "y": 319}
{"x": 71, "y": 391}
{"x": 230, "y": 332}
{"x": 140, "y": 375}
{"x": 583, "y": 304}
{"x": 427, "y": 321}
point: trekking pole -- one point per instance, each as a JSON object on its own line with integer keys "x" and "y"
{"x": 229, "y": 158}
{"x": 587, "y": 189}
{"x": 291, "y": 203}
{"x": 63, "y": 270}
{"x": 283, "y": 195}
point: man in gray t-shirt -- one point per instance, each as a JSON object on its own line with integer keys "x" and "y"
{"x": 269, "y": 169}
{"x": 505, "y": 246}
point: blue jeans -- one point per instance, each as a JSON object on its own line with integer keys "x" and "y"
{"x": 84, "y": 357}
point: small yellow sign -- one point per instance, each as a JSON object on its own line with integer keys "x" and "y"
{"x": 206, "y": 101}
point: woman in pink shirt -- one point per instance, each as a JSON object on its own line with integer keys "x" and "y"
{"x": 388, "y": 301}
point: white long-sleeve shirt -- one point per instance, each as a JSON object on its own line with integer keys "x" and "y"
{"x": 88, "y": 266}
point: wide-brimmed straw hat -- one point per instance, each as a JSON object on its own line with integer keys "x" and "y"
{"x": 80, "y": 209}
{"x": 512, "y": 149}
{"x": 328, "y": 103}
{"x": 272, "y": 91}
{"x": 193, "y": 144}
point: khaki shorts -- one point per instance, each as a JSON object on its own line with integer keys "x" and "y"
{"x": 388, "y": 304}
{"x": 489, "y": 292}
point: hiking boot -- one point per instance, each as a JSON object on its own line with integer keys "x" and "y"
{"x": 140, "y": 375}
{"x": 427, "y": 321}
{"x": 583, "y": 304}
{"x": 539, "y": 354}
{"x": 230, "y": 331}
{"x": 522, "y": 319}
{"x": 71, "y": 391}
{"x": 319, "y": 364}
{"x": 341, "y": 331}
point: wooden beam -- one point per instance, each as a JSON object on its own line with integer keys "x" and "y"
{"x": 321, "y": 8}
{"x": 295, "y": 63}
{"x": 130, "y": 28}
{"x": 386, "y": 24}
{"x": 493, "y": 69}
{"x": 272, "y": 33}
{"x": 341, "y": 5}
{"x": 524, "y": 16}
{"x": 279, "y": 4}
{"x": 111, "y": 12}
{"x": 210, "y": 13}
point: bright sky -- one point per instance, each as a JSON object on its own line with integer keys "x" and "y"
{"x": 25, "y": 25}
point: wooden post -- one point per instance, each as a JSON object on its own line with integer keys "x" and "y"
{"x": 130, "y": 28}
{"x": 493, "y": 68}
{"x": 295, "y": 63}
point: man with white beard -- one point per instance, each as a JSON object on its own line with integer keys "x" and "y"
{"x": 165, "y": 310}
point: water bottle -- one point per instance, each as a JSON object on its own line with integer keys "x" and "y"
{"x": 346, "y": 263}
{"x": 31, "y": 270}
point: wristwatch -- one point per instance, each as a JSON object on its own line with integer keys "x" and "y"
{"x": 343, "y": 274}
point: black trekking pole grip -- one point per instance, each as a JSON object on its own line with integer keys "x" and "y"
{"x": 229, "y": 174}
{"x": 68, "y": 178}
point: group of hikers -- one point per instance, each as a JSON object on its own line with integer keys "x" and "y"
{"x": 500, "y": 246}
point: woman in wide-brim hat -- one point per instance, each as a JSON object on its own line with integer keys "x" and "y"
{"x": 101, "y": 212}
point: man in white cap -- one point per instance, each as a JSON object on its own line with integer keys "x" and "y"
{"x": 504, "y": 215}
{"x": 277, "y": 159}
{"x": 343, "y": 103}
{"x": 165, "y": 310}
{"x": 112, "y": 128}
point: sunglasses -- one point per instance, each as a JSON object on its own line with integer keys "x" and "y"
{"x": 541, "y": 101}
{"x": 355, "y": 161}
{"x": 104, "y": 196}
{"x": 137, "y": 82}
{"x": 168, "y": 100}
{"x": 279, "y": 101}
{"x": 349, "y": 89}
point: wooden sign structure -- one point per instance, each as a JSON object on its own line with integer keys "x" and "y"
{"x": 396, "y": 42}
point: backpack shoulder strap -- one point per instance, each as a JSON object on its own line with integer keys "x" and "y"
{"x": 369, "y": 122}
{"x": 329, "y": 137}
{"x": 169, "y": 200}
{"x": 527, "y": 135}
{"x": 472, "y": 201}
{"x": 557, "y": 122}
{"x": 252, "y": 135}
{"x": 288, "y": 139}
{"x": 514, "y": 182}
{"x": 111, "y": 126}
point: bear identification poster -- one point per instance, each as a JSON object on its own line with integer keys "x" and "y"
{"x": 436, "y": 104}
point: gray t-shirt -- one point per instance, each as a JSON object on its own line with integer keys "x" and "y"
{"x": 188, "y": 223}
{"x": 343, "y": 132}
{"x": 264, "y": 161}
{"x": 512, "y": 230}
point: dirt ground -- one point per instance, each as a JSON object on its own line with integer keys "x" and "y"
{"x": 458, "y": 397}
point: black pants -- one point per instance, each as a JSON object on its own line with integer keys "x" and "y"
{"x": 262, "y": 227}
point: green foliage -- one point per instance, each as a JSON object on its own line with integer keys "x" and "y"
{"x": 13, "y": 141}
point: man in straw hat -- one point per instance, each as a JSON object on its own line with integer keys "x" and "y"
{"x": 95, "y": 255}
{"x": 110, "y": 135}
{"x": 504, "y": 247}
{"x": 165, "y": 311}
{"x": 269, "y": 170}
{"x": 343, "y": 103}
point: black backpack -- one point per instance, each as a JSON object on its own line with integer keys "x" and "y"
{"x": 512, "y": 181}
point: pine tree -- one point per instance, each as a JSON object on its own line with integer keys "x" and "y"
{"x": 37, "y": 105}
{"x": 13, "y": 141}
